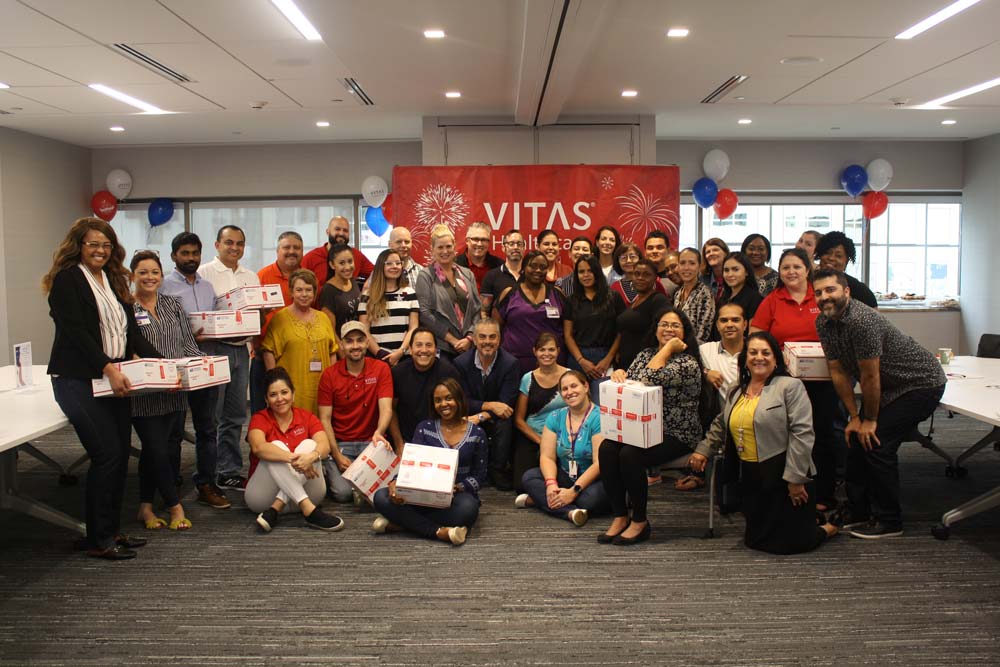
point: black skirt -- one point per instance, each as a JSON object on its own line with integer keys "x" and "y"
{"x": 773, "y": 524}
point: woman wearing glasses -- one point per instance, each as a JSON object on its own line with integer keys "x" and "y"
{"x": 89, "y": 302}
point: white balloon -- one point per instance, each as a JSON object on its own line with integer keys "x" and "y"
{"x": 374, "y": 189}
{"x": 879, "y": 174}
{"x": 119, "y": 183}
{"x": 716, "y": 164}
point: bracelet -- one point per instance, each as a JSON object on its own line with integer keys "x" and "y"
{"x": 551, "y": 482}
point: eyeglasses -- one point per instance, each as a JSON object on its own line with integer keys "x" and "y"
{"x": 670, "y": 325}
{"x": 629, "y": 258}
{"x": 97, "y": 245}
{"x": 477, "y": 239}
{"x": 514, "y": 244}
{"x": 155, "y": 252}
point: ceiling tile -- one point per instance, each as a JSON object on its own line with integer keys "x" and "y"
{"x": 231, "y": 20}
{"x": 238, "y": 94}
{"x": 288, "y": 59}
{"x": 16, "y": 72}
{"x": 200, "y": 62}
{"x": 23, "y": 26}
{"x": 15, "y": 104}
{"x": 88, "y": 64}
{"x": 131, "y": 20}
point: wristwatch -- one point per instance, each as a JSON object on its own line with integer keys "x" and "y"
{"x": 577, "y": 489}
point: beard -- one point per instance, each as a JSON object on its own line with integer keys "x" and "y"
{"x": 188, "y": 268}
{"x": 334, "y": 240}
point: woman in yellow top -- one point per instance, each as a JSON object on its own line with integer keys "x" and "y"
{"x": 766, "y": 430}
{"x": 301, "y": 340}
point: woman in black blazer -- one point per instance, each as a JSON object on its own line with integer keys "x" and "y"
{"x": 89, "y": 302}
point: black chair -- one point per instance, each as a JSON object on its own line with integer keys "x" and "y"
{"x": 989, "y": 346}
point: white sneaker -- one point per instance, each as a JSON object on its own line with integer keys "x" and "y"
{"x": 457, "y": 535}
{"x": 380, "y": 524}
{"x": 522, "y": 501}
{"x": 579, "y": 517}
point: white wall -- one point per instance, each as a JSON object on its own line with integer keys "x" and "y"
{"x": 44, "y": 187}
{"x": 980, "y": 240}
{"x": 932, "y": 329}
{"x": 266, "y": 170}
{"x": 816, "y": 165}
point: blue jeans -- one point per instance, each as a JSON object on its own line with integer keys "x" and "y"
{"x": 159, "y": 435}
{"x": 425, "y": 521}
{"x": 340, "y": 490}
{"x": 104, "y": 428}
{"x": 231, "y": 408}
{"x": 206, "y": 431}
{"x": 594, "y": 499}
{"x": 593, "y": 355}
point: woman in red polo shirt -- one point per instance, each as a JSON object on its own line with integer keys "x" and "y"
{"x": 286, "y": 447}
{"x": 789, "y": 314}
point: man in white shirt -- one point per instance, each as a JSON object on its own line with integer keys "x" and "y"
{"x": 401, "y": 241}
{"x": 720, "y": 358}
{"x": 225, "y": 273}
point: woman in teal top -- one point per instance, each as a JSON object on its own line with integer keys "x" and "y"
{"x": 539, "y": 396}
{"x": 566, "y": 482}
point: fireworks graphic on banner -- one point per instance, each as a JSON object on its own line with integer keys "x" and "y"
{"x": 607, "y": 182}
{"x": 438, "y": 204}
{"x": 644, "y": 213}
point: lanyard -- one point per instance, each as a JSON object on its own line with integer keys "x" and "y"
{"x": 573, "y": 435}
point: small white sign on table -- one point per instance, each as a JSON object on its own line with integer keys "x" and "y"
{"x": 22, "y": 366}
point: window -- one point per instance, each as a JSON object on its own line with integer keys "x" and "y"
{"x": 131, "y": 224}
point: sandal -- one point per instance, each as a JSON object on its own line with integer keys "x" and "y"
{"x": 180, "y": 524}
{"x": 156, "y": 523}
{"x": 689, "y": 483}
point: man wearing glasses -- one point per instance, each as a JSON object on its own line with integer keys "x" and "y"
{"x": 507, "y": 274}
{"x": 477, "y": 257}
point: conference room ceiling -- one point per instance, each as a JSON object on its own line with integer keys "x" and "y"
{"x": 526, "y": 61}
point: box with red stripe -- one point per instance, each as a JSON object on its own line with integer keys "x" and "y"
{"x": 374, "y": 468}
{"x": 632, "y": 413}
{"x": 144, "y": 375}
{"x": 427, "y": 475}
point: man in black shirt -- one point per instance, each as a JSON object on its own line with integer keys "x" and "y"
{"x": 413, "y": 381}
{"x": 506, "y": 275}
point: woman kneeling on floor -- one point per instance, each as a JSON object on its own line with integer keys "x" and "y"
{"x": 453, "y": 430}
{"x": 286, "y": 447}
{"x": 765, "y": 428}
{"x": 566, "y": 482}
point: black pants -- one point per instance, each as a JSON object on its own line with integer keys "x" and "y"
{"x": 873, "y": 475}
{"x": 825, "y": 404}
{"x": 159, "y": 435}
{"x": 525, "y": 457}
{"x": 499, "y": 433}
{"x": 104, "y": 428}
{"x": 623, "y": 471}
{"x": 203, "y": 404}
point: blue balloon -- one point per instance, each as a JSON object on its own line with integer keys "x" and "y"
{"x": 854, "y": 179}
{"x": 704, "y": 191}
{"x": 160, "y": 211}
{"x": 376, "y": 220}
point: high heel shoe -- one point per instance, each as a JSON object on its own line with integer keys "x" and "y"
{"x": 629, "y": 541}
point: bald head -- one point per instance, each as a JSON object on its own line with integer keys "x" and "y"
{"x": 339, "y": 230}
{"x": 401, "y": 241}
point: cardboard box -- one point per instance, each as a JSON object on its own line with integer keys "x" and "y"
{"x": 226, "y": 323}
{"x": 373, "y": 469}
{"x": 145, "y": 375}
{"x": 251, "y": 298}
{"x": 427, "y": 475}
{"x": 632, "y": 413}
{"x": 806, "y": 361}
{"x": 201, "y": 372}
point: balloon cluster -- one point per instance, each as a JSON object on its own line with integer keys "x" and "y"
{"x": 104, "y": 203}
{"x": 706, "y": 190}
{"x": 855, "y": 178}
{"x": 375, "y": 192}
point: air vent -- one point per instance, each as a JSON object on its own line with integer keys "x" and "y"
{"x": 725, "y": 88}
{"x": 357, "y": 92}
{"x": 151, "y": 63}
{"x": 5, "y": 113}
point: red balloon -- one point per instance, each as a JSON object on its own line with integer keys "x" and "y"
{"x": 726, "y": 203}
{"x": 873, "y": 204}
{"x": 104, "y": 205}
{"x": 387, "y": 208}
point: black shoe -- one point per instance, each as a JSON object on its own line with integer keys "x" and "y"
{"x": 268, "y": 519}
{"x": 130, "y": 542}
{"x": 232, "y": 483}
{"x": 604, "y": 538}
{"x": 628, "y": 541}
{"x": 117, "y": 552}
{"x": 323, "y": 521}
{"x": 875, "y": 530}
{"x": 844, "y": 519}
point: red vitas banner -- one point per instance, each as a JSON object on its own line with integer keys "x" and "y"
{"x": 573, "y": 200}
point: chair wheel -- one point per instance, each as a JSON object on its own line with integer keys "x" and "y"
{"x": 961, "y": 472}
{"x": 941, "y": 531}
{"x": 949, "y": 471}
{"x": 68, "y": 480}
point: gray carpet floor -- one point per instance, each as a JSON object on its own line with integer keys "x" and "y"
{"x": 525, "y": 589}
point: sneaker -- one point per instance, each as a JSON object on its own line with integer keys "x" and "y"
{"x": 320, "y": 520}
{"x": 522, "y": 501}
{"x": 268, "y": 519}
{"x": 843, "y": 519}
{"x": 457, "y": 535}
{"x": 208, "y": 496}
{"x": 578, "y": 517}
{"x": 232, "y": 483}
{"x": 380, "y": 525}
{"x": 876, "y": 530}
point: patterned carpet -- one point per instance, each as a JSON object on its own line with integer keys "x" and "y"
{"x": 525, "y": 589}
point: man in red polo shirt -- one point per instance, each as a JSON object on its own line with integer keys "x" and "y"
{"x": 338, "y": 231}
{"x": 355, "y": 406}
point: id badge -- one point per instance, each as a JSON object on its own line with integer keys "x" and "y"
{"x": 315, "y": 366}
{"x": 142, "y": 318}
{"x": 552, "y": 312}
{"x": 572, "y": 469}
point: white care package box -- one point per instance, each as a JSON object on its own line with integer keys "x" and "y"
{"x": 144, "y": 375}
{"x": 225, "y": 323}
{"x": 427, "y": 475}
{"x": 201, "y": 372}
{"x": 251, "y": 297}
{"x": 374, "y": 468}
{"x": 632, "y": 413}
{"x": 806, "y": 361}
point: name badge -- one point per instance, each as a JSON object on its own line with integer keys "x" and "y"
{"x": 552, "y": 312}
{"x": 142, "y": 318}
{"x": 315, "y": 366}
{"x": 572, "y": 469}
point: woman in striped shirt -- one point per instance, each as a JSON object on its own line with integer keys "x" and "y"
{"x": 158, "y": 418}
{"x": 389, "y": 308}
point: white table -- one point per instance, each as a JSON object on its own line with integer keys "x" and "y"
{"x": 973, "y": 390}
{"x": 25, "y": 415}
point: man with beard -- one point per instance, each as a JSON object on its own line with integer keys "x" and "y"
{"x": 413, "y": 380}
{"x": 337, "y": 231}
{"x": 197, "y": 294}
{"x": 901, "y": 384}
{"x": 506, "y": 275}
{"x": 401, "y": 242}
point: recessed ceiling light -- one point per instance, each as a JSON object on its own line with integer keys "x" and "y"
{"x": 322, "y": 123}
{"x": 453, "y": 94}
{"x": 127, "y": 99}
{"x": 936, "y": 18}
{"x": 739, "y": 97}
{"x": 800, "y": 60}
{"x": 298, "y": 19}
{"x": 4, "y": 85}
{"x": 116, "y": 128}
{"x": 678, "y": 32}
{"x": 629, "y": 93}
{"x": 948, "y": 122}
{"x": 835, "y": 128}
{"x": 434, "y": 34}
{"x": 744, "y": 121}
{"x": 941, "y": 101}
